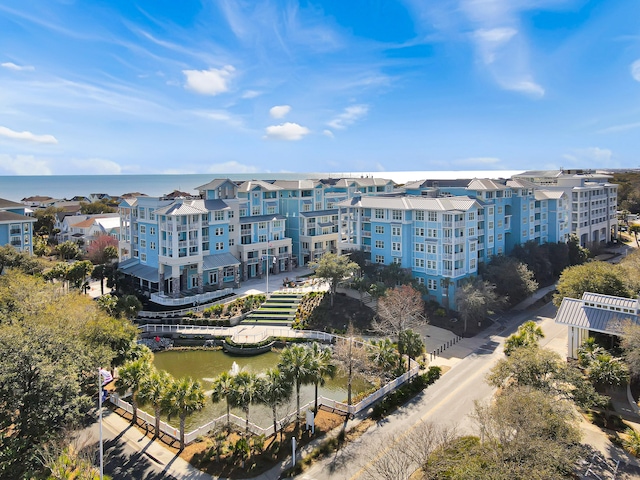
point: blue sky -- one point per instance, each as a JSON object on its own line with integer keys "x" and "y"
{"x": 224, "y": 86}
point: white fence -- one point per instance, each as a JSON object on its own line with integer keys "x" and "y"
{"x": 204, "y": 298}
{"x": 241, "y": 422}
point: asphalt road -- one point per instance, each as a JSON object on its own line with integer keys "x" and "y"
{"x": 447, "y": 403}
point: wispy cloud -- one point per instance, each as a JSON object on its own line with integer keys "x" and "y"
{"x": 349, "y": 116}
{"x": 220, "y": 116}
{"x": 635, "y": 70}
{"x": 209, "y": 82}
{"x": 232, "y": 167}
{"x": 287, "y": 131}
{"x": 17, "y": 68}
{"x": 279, "y": 111}
{"x": 591, "y": 155}
{"x": 96, "y": 166}
{"x": 620, "y": 128}
{"x": 251, "y": 94}
{"x": 27, "y": 136}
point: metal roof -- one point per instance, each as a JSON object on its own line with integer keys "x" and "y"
{"x": 485, "y": 184}
{"x": 14, "y": 217}
{"x": 135, "y": 269}
{"x": 219, "y": 260}
{"x": 458, "y": 203}
{"x": 261, "y": 218}
{"x": 213, "y": 184}
{"x": 183, "y": 207}
{"x": 575, "y": 313}
{"x": 319, "y": 213}
{"x": 621, "y": 302}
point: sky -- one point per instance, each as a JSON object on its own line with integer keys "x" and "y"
{"x": 244, "y": 86}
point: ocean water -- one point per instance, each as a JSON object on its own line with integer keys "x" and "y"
{"x": 15, "y": 187}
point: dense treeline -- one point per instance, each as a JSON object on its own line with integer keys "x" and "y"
{"x": 628, "y": 191}
{"x": 51, "y": 346}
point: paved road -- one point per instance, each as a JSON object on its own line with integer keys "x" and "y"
{"x": 448, "y": 402}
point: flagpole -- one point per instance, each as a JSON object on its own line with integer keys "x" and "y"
{"x": 100, "y": 415}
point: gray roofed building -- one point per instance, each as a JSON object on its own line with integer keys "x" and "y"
{"x": 595, "y": 313}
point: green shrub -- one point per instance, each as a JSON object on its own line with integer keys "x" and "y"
{"x": 441, "y": 312}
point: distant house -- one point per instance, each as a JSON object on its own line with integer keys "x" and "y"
{"x": 597, "y": 313}
{"x": 85, "y": 228}
{"x": 97, "y": 197}
{"x": 16, "y": 228}
{"x": 38, "y": 201}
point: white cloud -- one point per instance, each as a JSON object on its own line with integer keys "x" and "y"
{"x": 96, "y": 166}
{"x": 286, "y": 131}
{"x": 327, "y": 133}
{"x": 349, "y": 116}
{"x": 251, "y": 94}
{"x": 17, "y": 68}
{"x": 231, "y": 167}
{"x": 620, "y": 128}
{"x": 591, "y": 155}
{"x": 209, "y": 82}
{"x": 28, "y": 136}
{"x": 524, "y": 86}
{"x": 279, "y": 111}
{"x": 489, "y": 40}
{"x": 220, "y": 116}
{"x": 635, "y": 70}
{"x": 24, "y": 165}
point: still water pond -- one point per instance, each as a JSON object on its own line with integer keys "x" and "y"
{"x": 205, "y": 365}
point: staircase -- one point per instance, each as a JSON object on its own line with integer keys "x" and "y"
{"x": 279, "y": 310}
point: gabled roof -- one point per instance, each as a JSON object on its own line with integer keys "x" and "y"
{"x": 485, "y": 184}
{"x": 297, "y": 184}
{"x": 14, "y": 217}
{"x": 319, "y": 213}
{"x": 215, "y": 183}
{"x": 261, "y": 218}
{"x": 521, "y": 183}
{"x": 253, "y": 184}
{"x": 37, "y": 198}
{"x": 458, "y": 203}
{"x": 4, "y": 203}
{"x": 183, "y": 207}
{"x": 599, "y": 313}
{"x": 219, "y": 260}
{"x": 548, "y": 194}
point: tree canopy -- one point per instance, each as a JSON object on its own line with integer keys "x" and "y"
{"x": 399, "y": 309}
{"x": 594, "y": 277}
{"x": 333, "y": 269}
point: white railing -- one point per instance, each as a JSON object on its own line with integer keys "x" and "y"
{"x": 198, "y": 298}
{"x": 253, "y": 428}
{"x": 192, "y": 329}
{"x": 241, "y": 338}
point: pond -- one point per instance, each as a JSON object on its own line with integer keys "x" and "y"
{"x": 205, "y": 365}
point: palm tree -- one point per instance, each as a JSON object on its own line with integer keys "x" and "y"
{"x": 274, "y": 390}
{"x": 222, "y": 388}
{"x": 383, "y": 354}
{"x": 130, "y": 375}
{"x": 183, "y": 397}
{"x": 410, "y": 343}
{"x": 153, "y": 389}
{"x": 295, "y": 362}
{"x": 527, "y": 335}
{"x": 244, "y": 392}
{"x": 322, "y": 368}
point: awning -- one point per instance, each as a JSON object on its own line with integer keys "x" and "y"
{"x": 144, "y": 272}
{"x": 220, "y": 260}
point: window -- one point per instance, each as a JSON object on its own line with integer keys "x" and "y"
{"x": 143, "y": 229}
{"x": 219, "y": 231}
{"x": 490, "y": 211}
{"x": 490, "y": 225}
{"x": 379, "y": 229}
{"x": 420, "y": 280}
{"x": 152, "y": 216}
{"x": 380, "y": 259}
{"x": 152, "y": 245}
{"x": 218, "y": 215}
{"x": 379, "y": 244}
{"x": 472, "y": 264}
{"x": 232, "y": 242}
{"x": 499, "y": 237}
{"x": 379, "y": 213}
{"x": 143, "y": 243}
{"x": 500, "y": 210}
{"x": 142, "y": 213}
{"x": 431, "y": 248}
{"x": 262, "y": 238}
{"x": 219, "y": 245}
{"x": 431, "y": 264}
{"x": 395, "y": 247}
{"x": 432, "y": 284}
{"x": 419, "y": 215}
{"x": 471, "y": 216}
{"x": 271, "y": 210}
{"x": 472, "y": 247}
{"x": 490, "y": 239}
{"x": 396, "y": 214}
{"x": 418, "y": 263}
{"x": 472, "y": 232}
{"x": 433, "y": 217}
{"x": 255, "y": 210}
{"x": 419, "y": 247}
{"x": 433, "y": 233}
{"x": 231, "y": 214}
{"x": 152, "y": 230}
{"x": 397, "y": 260}
{"x": 395, "y": 231}
{"x": 262, "y": 225}
{"x": 232, "y": 228}
{"x": 419, "y": 232}
{"x": 143, "y": 257}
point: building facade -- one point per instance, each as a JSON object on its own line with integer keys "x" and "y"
{"x": 16, "y": 227}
